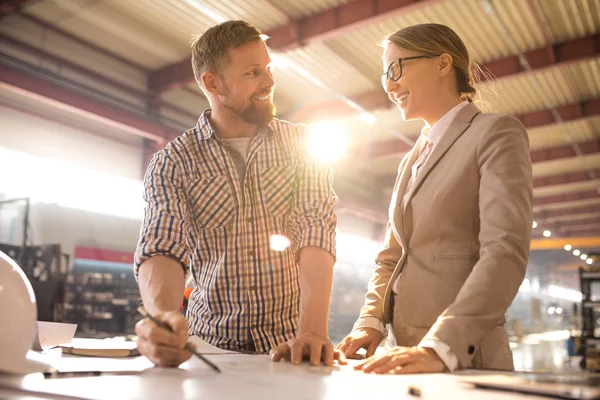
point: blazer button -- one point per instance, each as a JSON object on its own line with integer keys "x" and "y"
{"x": 471, "y": 349}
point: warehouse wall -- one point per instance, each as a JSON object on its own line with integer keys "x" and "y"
{"x": 41, "y": 137}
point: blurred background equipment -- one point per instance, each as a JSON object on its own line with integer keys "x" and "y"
{"x": 589, "y": 277}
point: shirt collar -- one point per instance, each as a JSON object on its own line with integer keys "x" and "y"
{"x": 206, "y": 131}
{"x": 433, "y": 134}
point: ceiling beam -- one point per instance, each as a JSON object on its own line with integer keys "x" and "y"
{"x": 324, "y": 25}
{"x": 85, "y": 43}
{"x": 8, "y": 7}
{"x": 572, "y": 177}
{"x": 105, "y": 81}
{"x": 558, "y": 55}
{"x": 542, "y": 214}
{"x": 339, "y": 20}
{"x": 580, "y": 230}
{"x": 569, "y": 218}
{"x": 561, "y": 198}
{"x": 44, "y": 91}
{"x": 558, "y": 225}
{"x": 569, "y": 112}
{"x": 555, "y": 153}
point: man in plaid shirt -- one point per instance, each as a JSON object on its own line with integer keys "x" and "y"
{"x": 219, "y": 199}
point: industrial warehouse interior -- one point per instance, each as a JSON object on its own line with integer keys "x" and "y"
{"x": 91, "y": 90}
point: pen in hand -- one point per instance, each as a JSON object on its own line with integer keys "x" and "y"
{"x": 187, "y": 346}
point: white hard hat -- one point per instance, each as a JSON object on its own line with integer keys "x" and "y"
{"x": 18, "y": 315}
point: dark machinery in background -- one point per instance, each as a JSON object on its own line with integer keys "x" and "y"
{"x": 101, "y": 301}
{"x": 589, "y": 278}
{"x": 45, "y": 266}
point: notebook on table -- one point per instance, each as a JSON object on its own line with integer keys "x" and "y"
{"x": 100, "y": 348}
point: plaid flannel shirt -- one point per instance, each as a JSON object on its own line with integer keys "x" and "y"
{"x": 219, "y": 228}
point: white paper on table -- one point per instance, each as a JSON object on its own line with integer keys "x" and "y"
{"x": 55, "y": 333}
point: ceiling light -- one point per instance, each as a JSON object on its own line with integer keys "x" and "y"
{"x": 589, "y": 261}
{"x": 547, "y": 233}
{"x": 576, "y": 252}
{"x": 534, "y": 225}
{"x": 567, "y": 247}
{"x": 583, "y": 257}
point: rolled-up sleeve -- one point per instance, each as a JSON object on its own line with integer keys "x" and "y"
{"x": 313, "y": 218}
{"x": 165, "y": 229}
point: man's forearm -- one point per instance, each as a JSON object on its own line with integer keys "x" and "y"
{"x": 316, "y": 276}
{"x": 162, "y": 283}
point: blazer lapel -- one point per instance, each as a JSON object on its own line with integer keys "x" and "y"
{"x": 396, "y": 209}
{"x": 455, "y": 130}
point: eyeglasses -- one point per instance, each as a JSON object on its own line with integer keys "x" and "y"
{"x": 394, "y": 71}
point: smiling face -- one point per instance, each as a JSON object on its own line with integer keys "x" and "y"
{"x": 417, "y": 87}
{"x": 247, "y": 83}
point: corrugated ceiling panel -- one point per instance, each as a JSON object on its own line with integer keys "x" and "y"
{"x": 525, "y": 93}
{"x": 295, "y": 90}
{"x": 339, "y": 75}
{"x": 595, "y": 123}
{"x": 361, "y": 46}
{"x": 179, "y": 19}
{"x": 575, "y": 187}
{"x": 566, "y": 165}
{"x": 192, "y": 16}
{"x": 187, "y": 100}
{"x": 571, "y": 19}
{"x": 586, "y": 78}
{"x": 118, "y": 30}
{"x": 558, "y": 135}
{"x": 57, "y": 45}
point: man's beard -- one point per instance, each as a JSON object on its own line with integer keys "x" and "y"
{"x": 251, "y": 113}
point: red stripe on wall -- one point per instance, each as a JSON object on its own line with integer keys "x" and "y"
{"x": 91, "y": 253}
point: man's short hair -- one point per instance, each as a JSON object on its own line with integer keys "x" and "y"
{"x": 209, "y": 50}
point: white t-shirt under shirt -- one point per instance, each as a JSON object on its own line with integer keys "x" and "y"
{"x": 238, "y": 149}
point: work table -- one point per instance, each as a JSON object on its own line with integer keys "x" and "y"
{"x": 243, "y": 376}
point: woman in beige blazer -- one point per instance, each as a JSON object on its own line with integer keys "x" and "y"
{"x": 460, "y": 218}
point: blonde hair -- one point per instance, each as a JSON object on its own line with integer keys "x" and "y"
{"x": 430, "y": 39}
{"x": 209, "y": 50}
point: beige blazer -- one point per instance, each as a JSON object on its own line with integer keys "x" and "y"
{"x": 462, "y": 241}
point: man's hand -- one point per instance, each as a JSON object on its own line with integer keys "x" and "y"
{"x": 403, "y": 360}
{"x": 361, "y": 338}
{"x": 311, "y": 347}
{"x": 163, "y": 348}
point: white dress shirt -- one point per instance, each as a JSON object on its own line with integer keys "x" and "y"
{"x": 431, "y": 136}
